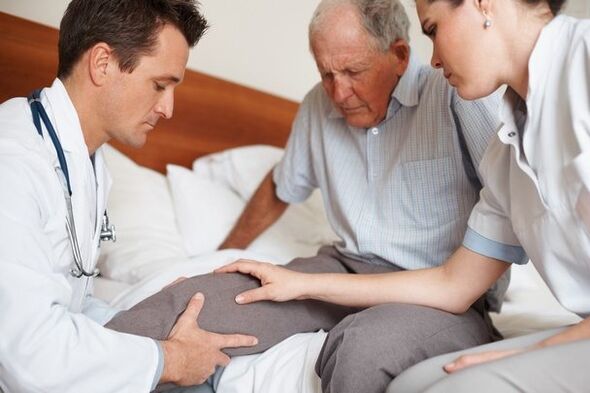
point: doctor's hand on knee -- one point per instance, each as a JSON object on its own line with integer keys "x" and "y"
{"x": 191, "y": 354}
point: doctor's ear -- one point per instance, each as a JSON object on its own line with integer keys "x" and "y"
{"x": 100, "y": 59}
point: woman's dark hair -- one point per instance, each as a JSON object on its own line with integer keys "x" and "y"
{"x": 554, "y": 5}
{"x": 130, "y": 27}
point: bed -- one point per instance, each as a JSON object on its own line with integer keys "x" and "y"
{"x": 174, "y": 201}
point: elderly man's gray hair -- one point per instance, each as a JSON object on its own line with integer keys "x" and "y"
{"x": 384, "y": 20}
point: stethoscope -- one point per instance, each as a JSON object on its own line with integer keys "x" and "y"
{"x": 107, "y": 231}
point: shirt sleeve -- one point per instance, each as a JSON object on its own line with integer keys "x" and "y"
{"x": 98, "y": 310}
{"x": 43, "y": 346}
{"x": 493, "y": 249}
{"x": 294, "y": 175}
{"x": 160, "y": 368}
{"x": 490, "y": 231}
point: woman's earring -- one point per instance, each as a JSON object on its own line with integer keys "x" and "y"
{"x": 488, "y": 22}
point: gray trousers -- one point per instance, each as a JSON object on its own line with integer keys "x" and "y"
{"x": 560, "y": 368}
{"x": 364, "y": 350}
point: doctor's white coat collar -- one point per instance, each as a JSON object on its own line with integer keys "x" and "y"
{"x": 66, "y": 122}
{"x": 65, "y": 118}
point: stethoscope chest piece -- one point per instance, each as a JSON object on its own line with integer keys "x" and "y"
{"x": 107, "y": 230}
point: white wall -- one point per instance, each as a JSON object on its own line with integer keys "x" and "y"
{"x": 257, "y": 43}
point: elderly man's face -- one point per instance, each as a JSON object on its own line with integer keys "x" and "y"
{"x": 358, "y": 78}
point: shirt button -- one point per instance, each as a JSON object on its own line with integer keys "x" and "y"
{"x": 375, "y": 131}
{"x": 511, "y": 134}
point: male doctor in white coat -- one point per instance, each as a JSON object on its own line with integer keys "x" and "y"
{"x": 119, "y": 62}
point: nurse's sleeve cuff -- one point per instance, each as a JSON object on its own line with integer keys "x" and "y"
{"x": 490, "y": 248}
{"x": 160, "y": 368}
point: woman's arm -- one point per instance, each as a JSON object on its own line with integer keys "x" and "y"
{"x": 452, "y": 287}
{"x": 579, "y": 331}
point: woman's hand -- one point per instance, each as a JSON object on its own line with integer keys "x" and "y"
{"x": 277, "y": 283}
{"x": 478, "y": 358}
{"x": 579, "y": 331}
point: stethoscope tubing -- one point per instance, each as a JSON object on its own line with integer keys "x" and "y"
{"x": 39, "y": 114}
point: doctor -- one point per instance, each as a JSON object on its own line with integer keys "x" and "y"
{"x": 119, "y": 62}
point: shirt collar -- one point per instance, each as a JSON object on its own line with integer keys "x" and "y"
{"x": 65, "y": 118}
{"x": 540, "y": 61}
{"x": 406, "y": 92}
{"x": 508, "y": 112}
{"x": 514, "y": 108}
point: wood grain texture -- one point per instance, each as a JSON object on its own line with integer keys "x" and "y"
{"x": 210, "y": 114}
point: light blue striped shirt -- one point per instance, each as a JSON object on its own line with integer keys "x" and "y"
{"x": 400, "y": 192}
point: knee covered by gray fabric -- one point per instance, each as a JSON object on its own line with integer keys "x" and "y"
{"x": 368, "y": 349}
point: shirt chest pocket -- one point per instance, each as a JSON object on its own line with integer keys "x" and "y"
{"x": 435, "y": 192}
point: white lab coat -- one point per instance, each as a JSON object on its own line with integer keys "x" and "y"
{"x": 537, "y": 191}
{"x": 51, "y": 334}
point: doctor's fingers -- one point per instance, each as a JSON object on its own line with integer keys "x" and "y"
{"x": 188, "y": 319}
{"x": 222, "y": 341}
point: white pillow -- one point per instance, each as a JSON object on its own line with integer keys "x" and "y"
{"x": 242, "y": 168}
{"x": 205, "y": 210}
{"x": 141, "y": 209}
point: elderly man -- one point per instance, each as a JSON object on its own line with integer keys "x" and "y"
{"x": 393, "y": 150}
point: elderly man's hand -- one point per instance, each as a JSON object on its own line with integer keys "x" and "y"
{"x": 277, "y": 283}
{"x": 191, "y": 354}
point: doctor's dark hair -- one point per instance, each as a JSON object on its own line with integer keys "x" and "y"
{"x": 554, "y": 5}
{"x": 130, "y": 27}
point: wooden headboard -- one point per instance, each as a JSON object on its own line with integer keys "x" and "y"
{"x": 210, "y": 114}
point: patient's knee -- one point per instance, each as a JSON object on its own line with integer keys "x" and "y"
{"x": 350, "y": 362}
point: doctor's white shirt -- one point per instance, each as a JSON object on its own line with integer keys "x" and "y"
{"x": 51, "y": 334}
{"x": 537, "y": 170}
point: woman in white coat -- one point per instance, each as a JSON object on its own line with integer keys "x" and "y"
{"x": 537, "y": 179}
{"x": 536, "y": 194}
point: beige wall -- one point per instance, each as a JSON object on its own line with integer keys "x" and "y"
{"x": 257, "y": 43}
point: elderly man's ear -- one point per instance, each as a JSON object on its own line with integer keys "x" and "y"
{"x": 401, "y": 51}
